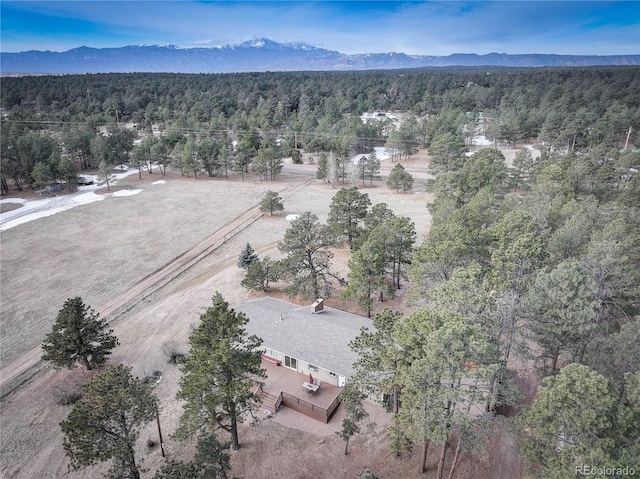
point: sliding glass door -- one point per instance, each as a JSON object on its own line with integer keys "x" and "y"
{"x": 291, "y": 362}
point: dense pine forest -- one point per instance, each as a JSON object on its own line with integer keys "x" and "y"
{"x": 532, "y": 262}
{"x": 571, "y": 110}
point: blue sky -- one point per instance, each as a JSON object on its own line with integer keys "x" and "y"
{"x": 427, "y": 27}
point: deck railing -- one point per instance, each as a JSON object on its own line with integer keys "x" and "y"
{"x": 278, "y": 401}
{"x": 308, "y": 408}
{"x": 332, "y": 407}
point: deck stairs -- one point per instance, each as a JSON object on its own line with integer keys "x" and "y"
{"x": 268, "y": 400}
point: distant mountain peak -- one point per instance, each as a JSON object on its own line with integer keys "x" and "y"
{"x": 270, "y": 43}
{"x": 265, "y": 54}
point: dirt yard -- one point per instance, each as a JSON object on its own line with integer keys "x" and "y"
{"x": 150, "y": 263}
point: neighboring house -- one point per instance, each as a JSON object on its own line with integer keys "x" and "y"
{"x": 306, "y": 341}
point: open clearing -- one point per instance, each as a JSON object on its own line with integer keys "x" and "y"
{"x": 150, "y": 263}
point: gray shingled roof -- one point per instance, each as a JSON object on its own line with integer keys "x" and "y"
{"x": 321, "y": 339}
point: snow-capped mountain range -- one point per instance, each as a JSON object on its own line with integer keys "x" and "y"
{"x": 266, "y": 55}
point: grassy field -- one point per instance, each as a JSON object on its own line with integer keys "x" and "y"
{"x": 99, "y": 250}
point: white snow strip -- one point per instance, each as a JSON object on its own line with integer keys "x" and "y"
{"x": 126, "y": 192}
{"x": 86, "y": 198}
{"x": 159, "y": 182}
{"x": 44, "y": 208}
{"x": 292, "y": 217}
{"x": 30, "y": 217}
{"x": 481, "y": 140}
{"x": 14, "y": 200}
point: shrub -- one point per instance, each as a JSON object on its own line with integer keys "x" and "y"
{"x": 68, "y": 398}
{"x": 152, "y": 378}
{"x": 67, "y": 393}
{"x": 171, "y": 349}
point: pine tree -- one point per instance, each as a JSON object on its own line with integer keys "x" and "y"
{"x": 379, "y": 357}
{"x": 218, "y": 375}
{"x": 562, "y": 312}
{"x": 347, "y": 210}
{"x": 106, "y": 422}
{"x": 78, "y": 335}
{"x": 366, "y": 275}
{"x": 351, "y": 399}
{"x": 323, "y": 168}
{"x": 271, "y": 202}
{"x": 247, "y": 257}
{"x": 400, "y": 179}
{"x": 104, "y": 174}
{"x": 569, "y": 423}
{"x": 371, "y": 168}
{"x": 260, "y": 274}
{"x": 210, "y": 462}
{"x": 306, "y": 244}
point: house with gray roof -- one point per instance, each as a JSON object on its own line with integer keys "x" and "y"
{"x": 308, "y": 339}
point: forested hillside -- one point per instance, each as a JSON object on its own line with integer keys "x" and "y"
{"x": 531, "y": 262}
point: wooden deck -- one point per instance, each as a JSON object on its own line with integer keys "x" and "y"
{"x": 283, "y": 386}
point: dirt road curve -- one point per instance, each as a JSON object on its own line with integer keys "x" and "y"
{"x": 14, "y": 374}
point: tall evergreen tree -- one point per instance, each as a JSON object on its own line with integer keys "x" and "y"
{"x": 400, "y": 179}
{"x": 568, "y": 424}
{"x": 219, "y": 374}
{"x": 394, "y": 240}
{"x": 366, "y": 275}
{"x": 562, "y": 312}
{"x": 446, "y": 370}
{"x": 306, "y": 244}
{"x": 379, "y": 359}
{"x": 322, "y": 173}
{"x": 210, "y": 462}
{"x": 106, "y": 423}
{"x": 104, "y": 174}
{"x": 271, "y": 202}
{"x": 260, "y": 274}
{"x": 347, "y": 210}
{"x": 78, "y": 335}
{"x": 351, "y": 399}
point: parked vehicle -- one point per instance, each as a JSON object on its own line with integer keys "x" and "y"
{"x": 83, "y": 180}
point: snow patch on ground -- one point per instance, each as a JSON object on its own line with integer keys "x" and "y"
{"x": 30, "y": 217}
{"x": 14, "y": 200}
{"x": 381, "y": 154}
{"x": 159, "y": 182}
{"x": 86, "y": 198}
{"x": 292, "y": 217}
{"x": 481, "y": 140}
{"x": 126, "y": 192}
{"x": 34, "y": 209}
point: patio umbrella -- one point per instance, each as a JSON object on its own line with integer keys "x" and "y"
{"x": 310, "y": 379}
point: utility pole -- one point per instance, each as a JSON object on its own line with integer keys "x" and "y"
{"x": 626, "y": 143}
